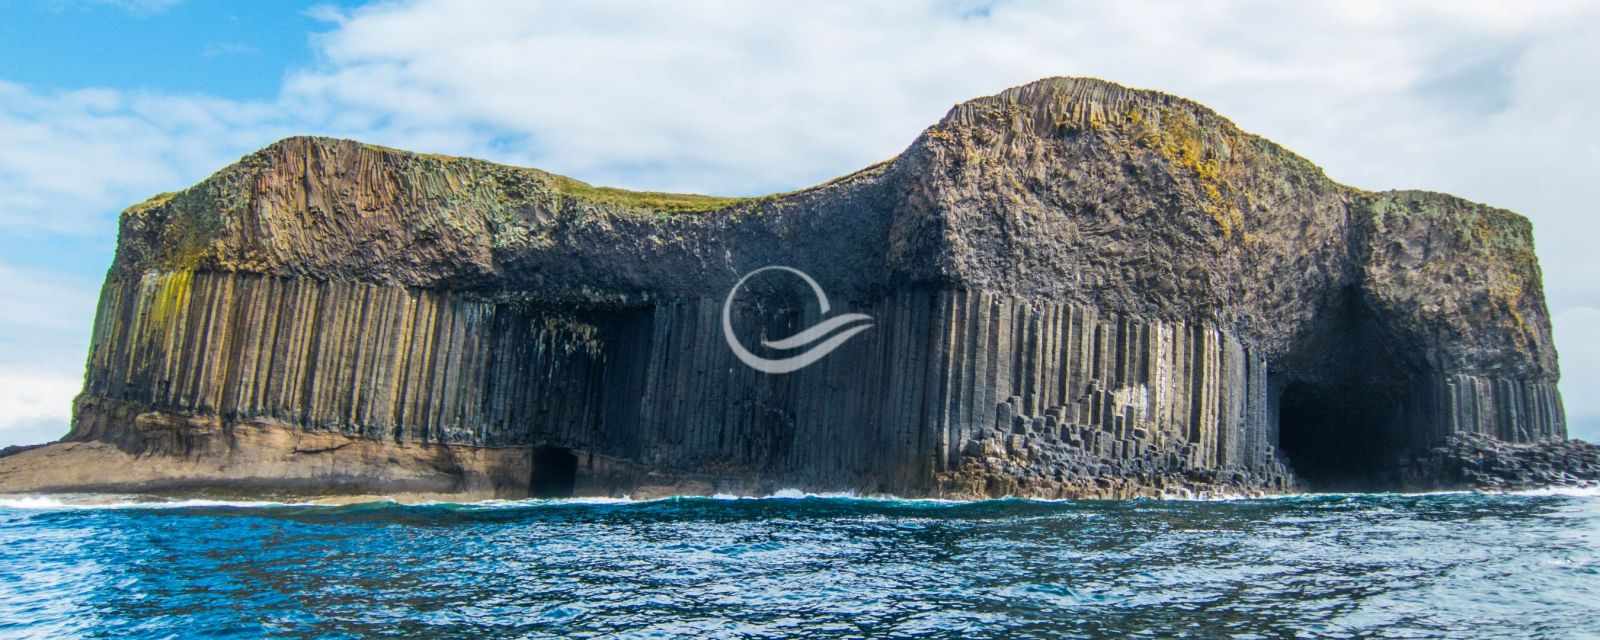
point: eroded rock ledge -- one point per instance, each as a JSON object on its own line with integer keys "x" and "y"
{"x": 1079, "y": 289}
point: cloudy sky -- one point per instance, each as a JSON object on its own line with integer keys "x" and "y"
{"x": 103, "y": 103}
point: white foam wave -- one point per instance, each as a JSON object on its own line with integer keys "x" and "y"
{"x": 797, "y": 494}
{"x": 1576, "y": 492}
{"x": 525, "y": 502}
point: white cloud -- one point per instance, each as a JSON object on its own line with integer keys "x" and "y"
{"x": 44, "y": 323}
{"x": 35, "y": 407}
{"x": 73, "y": 159}
{"x": 1484, "y": 99}
{"x": 44, "y": 301}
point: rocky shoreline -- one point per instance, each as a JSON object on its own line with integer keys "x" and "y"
{"x": 1484, "y": 463}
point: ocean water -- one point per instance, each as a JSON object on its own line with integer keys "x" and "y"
{"x": 1457, "y": 565}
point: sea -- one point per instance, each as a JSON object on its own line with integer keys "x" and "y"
{"x": 1473, "y": 565}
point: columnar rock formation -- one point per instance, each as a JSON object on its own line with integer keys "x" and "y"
{"x": 1078, "y": 289}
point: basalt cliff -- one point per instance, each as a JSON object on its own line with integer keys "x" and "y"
{"x": 1076, "y": 289}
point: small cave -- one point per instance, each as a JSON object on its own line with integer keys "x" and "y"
{"x": 555, "y": 473}
{"x": 1338, "y": 437}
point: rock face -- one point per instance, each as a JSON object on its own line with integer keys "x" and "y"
{"x": 1078, "y": 289}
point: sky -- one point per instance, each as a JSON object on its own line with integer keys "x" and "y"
{"x": 106, "y": 102}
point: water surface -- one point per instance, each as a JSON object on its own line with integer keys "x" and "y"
{"x": 1333, "y": 565}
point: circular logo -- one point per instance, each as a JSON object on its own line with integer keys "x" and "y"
{"x": 817, "y": 336}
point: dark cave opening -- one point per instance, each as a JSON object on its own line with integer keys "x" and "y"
{"x": 1337, "y": 437}
{"x": 555, "y": 472}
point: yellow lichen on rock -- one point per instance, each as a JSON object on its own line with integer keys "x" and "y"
{"x": 1177, "y": 136}
{"x": 172, "y": 293}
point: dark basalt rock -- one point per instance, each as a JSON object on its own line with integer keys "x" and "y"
{"x": 1078, "y": 289}
{"x": 1486, "y": 463}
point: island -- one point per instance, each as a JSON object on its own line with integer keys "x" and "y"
{"x": 1076, "y": 290}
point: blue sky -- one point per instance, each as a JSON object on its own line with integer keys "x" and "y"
{"x": 105, "y": 102}
{"x": 236, "y": 50}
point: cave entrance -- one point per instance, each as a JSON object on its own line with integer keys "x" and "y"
{"x": 1337, "y": 437}
{"x": 555, "y": 472}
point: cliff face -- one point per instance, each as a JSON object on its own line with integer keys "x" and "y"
{"x": 1077, "y": 289}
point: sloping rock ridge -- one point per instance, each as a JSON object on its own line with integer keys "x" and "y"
{"x": 1078, "y": 289}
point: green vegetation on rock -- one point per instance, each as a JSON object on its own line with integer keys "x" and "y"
{"x": 651, "y": 200}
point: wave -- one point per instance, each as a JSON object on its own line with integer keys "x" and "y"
{"x": 1571, "y": 492}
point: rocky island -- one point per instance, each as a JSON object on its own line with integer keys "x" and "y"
{"x": 1076, "y": 290}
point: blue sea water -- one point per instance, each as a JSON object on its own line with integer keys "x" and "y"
{"x": 1457, "y": 565}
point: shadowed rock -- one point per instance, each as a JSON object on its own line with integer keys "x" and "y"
{"x": 1077, "y": 289}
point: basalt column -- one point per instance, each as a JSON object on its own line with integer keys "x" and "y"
{"x": 1099, "y": 388}
{"x": 383, "y": 363}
